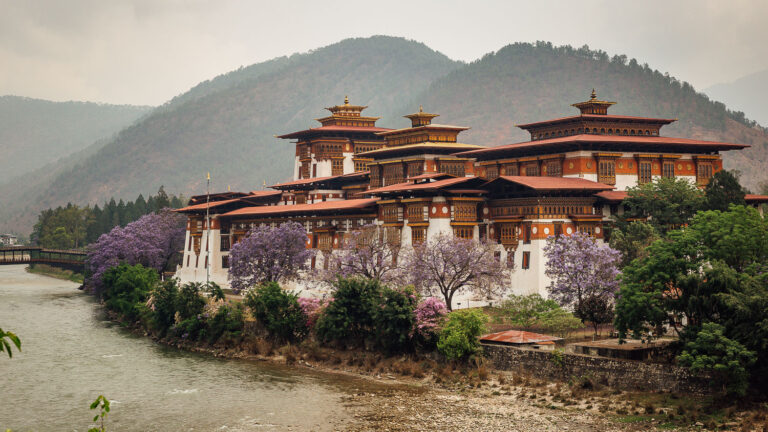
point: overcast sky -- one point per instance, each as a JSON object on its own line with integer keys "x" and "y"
{"x": 147, "y": 51}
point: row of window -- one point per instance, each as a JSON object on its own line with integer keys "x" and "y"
{"x": 601, "y": 131}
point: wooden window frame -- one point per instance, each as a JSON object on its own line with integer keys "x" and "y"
{"x": 526, "y": 260}
{"x": 644, "y": 171}
{"x": 606, "y": 171}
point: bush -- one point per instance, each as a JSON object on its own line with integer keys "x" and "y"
{"x": 312, "y": 308}
{"x": 527, "y": 311}
{"x": 278, "y": 311}
{"x": 163, "y": 304}
{"x": 430, "y": 316}
{"x": 126, "y": 288}
{"x": 348, "y": 316}
{"x": 394, "y": 320}
{"x": 560, "y": 322}
{"x": 227, "y": 324}
{"x": 189, "y": 302}
{"x": 459, "y": 337}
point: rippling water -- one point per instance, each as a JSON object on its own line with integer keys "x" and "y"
{"x": 71, "y": 354}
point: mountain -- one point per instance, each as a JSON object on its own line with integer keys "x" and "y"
{"x": 524, "y": 83}
{"x": 227, "y": 125}
{"x": 36, "y": 132}
{"x": 746, "y": 94}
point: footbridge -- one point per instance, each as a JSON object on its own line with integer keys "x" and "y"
{"x": 67, "y": 259}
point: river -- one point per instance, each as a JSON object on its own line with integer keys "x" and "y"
{"x": 71, "y": 353}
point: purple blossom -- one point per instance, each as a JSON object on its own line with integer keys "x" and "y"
{"x": 269, "y": 255}
{"x": 368, "y": 252}
{"x": 429, "y": 316}
{"x": 447, "y": 265}
{"x": 150, "y": 241}
{"x": 581, "y": 268}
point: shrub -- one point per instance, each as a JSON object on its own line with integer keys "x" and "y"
{"x": 393, "y": 319}
{"x": 429, "y": 316}
{"x": 312, "y": 308}
{"x": 560, "y": 322}
{"x": 189, "y": 302}
{"x": 348, "y": 316}
{"x": 278, "y": 311}
{"x": 163, "y": 304}
{"x": 227, "y": 323}
{"x": 459, "y": 337}
{"x": 126, "y": 288}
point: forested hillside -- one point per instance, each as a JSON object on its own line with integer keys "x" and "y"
{"x": 523, "y": 83}
{"x": 36, "y": 132}
{"x": 226, "y": 126}
{"x": 745, "y": 94}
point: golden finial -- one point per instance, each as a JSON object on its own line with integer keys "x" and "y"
{"x": 421, "y": 109}
{"x": 346, "y": 100}
{"x": 594, "y": 94}
{"x": 228, "y": 190}
{"x": 264, "y": 185}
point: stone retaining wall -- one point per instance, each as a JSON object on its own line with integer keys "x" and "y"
{"x": 616, "y": 373}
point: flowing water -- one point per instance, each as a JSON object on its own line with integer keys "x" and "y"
{"x": 71, "y": 353}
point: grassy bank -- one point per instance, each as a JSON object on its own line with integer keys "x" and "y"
{"x": 54, "y": 272}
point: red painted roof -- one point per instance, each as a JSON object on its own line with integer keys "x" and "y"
{"x": 203, "y": 206}
{"x": 653, "y": 143}
{"x": 410, "y": 186}
{"x": 518, "y": 337}
{"x": 431, "y": 126}
{"x": 352, "y": 204}
{"x": 334, "y": 129}
{"x": 430, "y": 176}
{"x": 612, "y": 196}
{"x": 262, "y": 193}
{"x": 553, "y": 183}
{"x": 302, "y": 182}
{"x": 607, "y": 117}
{"x": 752, "y": 198}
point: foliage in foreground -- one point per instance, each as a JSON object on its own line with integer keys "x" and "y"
{"x": 102, "y": 404}
{"x": 534, "y": 311}
{"x": 127, "y": 288}
{"x": 459, "y": 337}
{"x": 6, "y": 339}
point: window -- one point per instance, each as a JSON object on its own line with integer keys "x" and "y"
{"x": 225, "y": 261}
{"x": 511, "y": 170}
{"x": 187, "y": 260}
{"x": 337, "y": 166}
{"x": 532, "y": 170}
{"x": 526, "y": 260}
{"x": 375, "y": 176}
{"x": 464, "y": 232}
{"x": 224, "y": 243}
{"x": 703, "y": 172}
{"x": 415, "y": 168}
{"x": 644, "y": 171}
{"x": 606, "y": 171}
{"x": 554, "y": 168}
{"x": 558, "y": 229}
{"x": 508, "y": 233}
{"x": 668, "y": 169}
{"x": 527, "y": 232}
{"x": 454, "y": 168}
{"x": 393, "y": 174}
{"x": 418, "y": 234}
{"x": 588, "y": 229}
{"x": 491, "y": 172}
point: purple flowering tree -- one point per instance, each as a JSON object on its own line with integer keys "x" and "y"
{"x": 584, "y": 276}
{"x": 367, "y": 252}
{"x": 446, "y": 265}
{"x": 151, "y": 241}
{"x": 269, "y": 255}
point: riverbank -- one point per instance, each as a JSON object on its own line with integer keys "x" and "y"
{"x": 54, "y": 272}
{"x": 421, "y": 393}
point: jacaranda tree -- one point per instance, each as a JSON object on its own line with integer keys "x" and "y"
{"x": 584, "y": 275}
{"x": 269, "y": 254}
{"x": 151, "y": 241}
{"x": 447, "y": 265}
{"x": 369, "y": 253}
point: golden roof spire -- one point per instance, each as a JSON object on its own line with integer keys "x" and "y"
{"x": 346, "y": 100}
{"x": 421, "y": 109}
{"x": 594, "y": 94}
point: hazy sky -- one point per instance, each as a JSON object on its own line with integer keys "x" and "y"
{"x": 147, "y": 51}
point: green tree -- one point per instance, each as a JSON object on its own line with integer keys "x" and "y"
{"x": 632, "y": 239}
{"x": 724, "y": 190}
{"x": 127, "y": 288}
{"x": 278, "y": 311}
{"x": 726, "y": 359}
{"x": 394, "y": 319}
{"x": 459, "y": 336}
{"x": 527, "y": 311}
{"x": 348, "y": 317}
{"x": 668, "y": 203}
{"x": 560, "y": 322}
